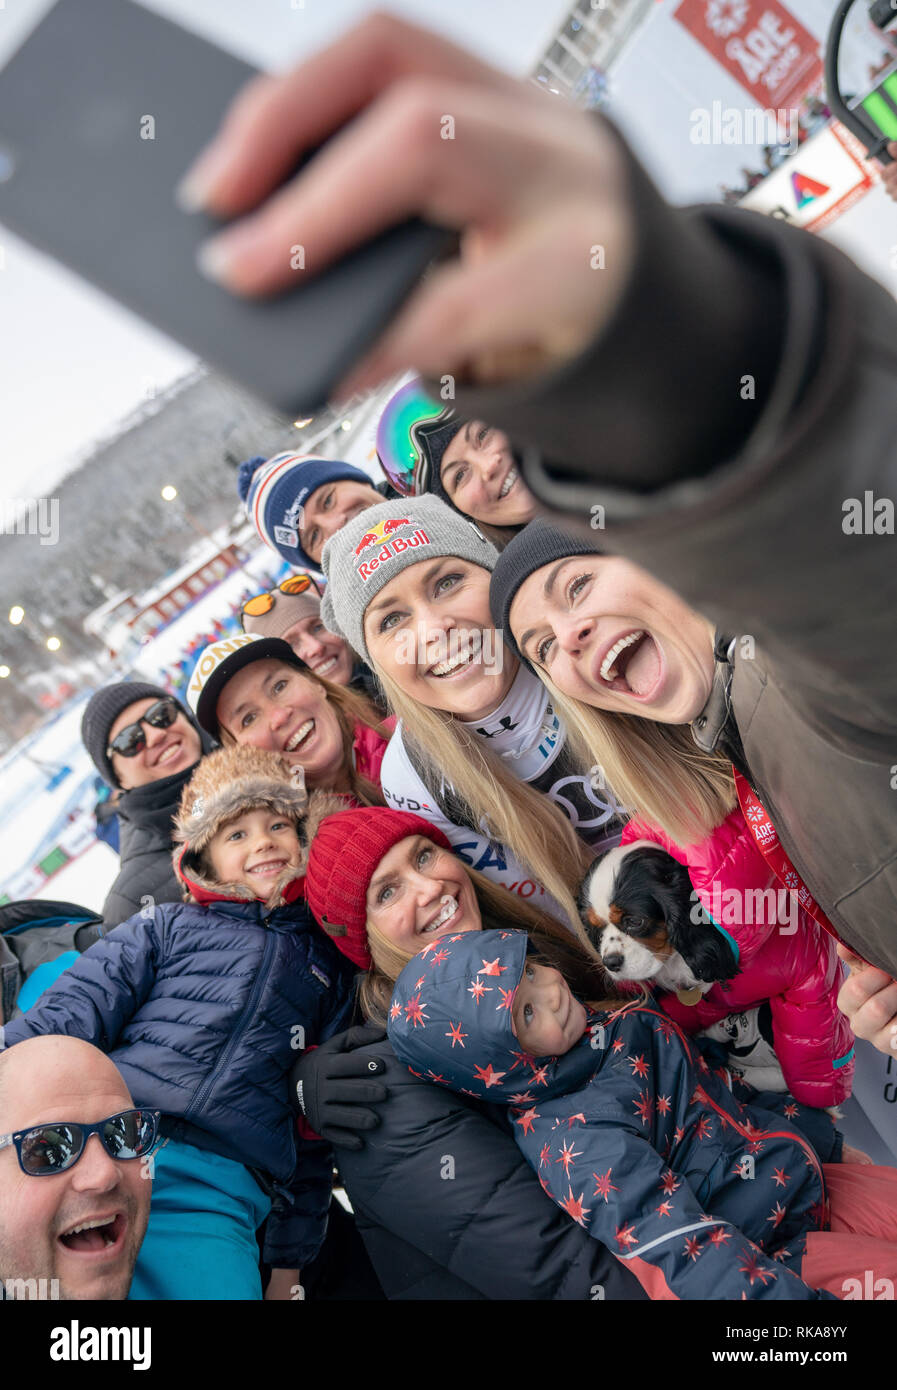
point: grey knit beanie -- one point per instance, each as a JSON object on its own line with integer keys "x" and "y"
{"x": 371, "y": 549}
{"x": 539, "y": 543}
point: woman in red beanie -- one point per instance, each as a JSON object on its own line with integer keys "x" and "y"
{"x": 386, "y": 886}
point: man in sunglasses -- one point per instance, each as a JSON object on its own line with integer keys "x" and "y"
{"x": 146, "y": 744}
{"x": 70, "y": 1212}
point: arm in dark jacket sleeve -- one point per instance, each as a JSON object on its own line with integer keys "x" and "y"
{"x": 298, "y": 1221}
{"x": 142, "y": 884}
{"x": 444, "y": 1178}
{"x": 98, "y": 995}
{"x": 745, "y": 387}
{"x": 118, "y": 907}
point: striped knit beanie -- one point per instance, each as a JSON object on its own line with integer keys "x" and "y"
{"x": 274, "y": 493}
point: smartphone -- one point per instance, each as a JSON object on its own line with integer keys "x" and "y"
{"x": 102, "y": 110}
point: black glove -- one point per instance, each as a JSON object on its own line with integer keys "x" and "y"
{"x": 331, "y": 1086}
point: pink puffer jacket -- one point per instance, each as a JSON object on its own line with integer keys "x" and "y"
{"x": 794, "y": 965}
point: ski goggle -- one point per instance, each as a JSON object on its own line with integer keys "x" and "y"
{"x": 398, "y": 445}
{"x": 50, "y": 1149}
{"x": 132, "y": 740}
{"x": 260, "y": 604}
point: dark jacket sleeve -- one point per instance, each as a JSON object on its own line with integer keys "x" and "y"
{"x": 445, "y": 1179}
{"x": 98, "y": 995}
{"x": 744, "y": 388}
{"x": 297, "y": 1224}
{"x": 142, "y": 883}
{"x": 296, "y": 1227}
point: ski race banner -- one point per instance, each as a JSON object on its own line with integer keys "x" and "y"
{"x": 823, "y": 178}
{"x": 760, "y": 43}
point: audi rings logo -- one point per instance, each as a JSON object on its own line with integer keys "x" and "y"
{"x": 584, "y": 792}
{"x": 725, "y": 17}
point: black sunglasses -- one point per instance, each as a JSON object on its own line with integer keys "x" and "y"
{"x": 52, "y": 1148}
{"x": 132, "y": 740}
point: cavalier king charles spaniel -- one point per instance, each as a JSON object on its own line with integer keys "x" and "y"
{"x": 639, "y": 909}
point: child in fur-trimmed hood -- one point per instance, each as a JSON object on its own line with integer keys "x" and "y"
{"x": 238, "y": 830}
{"x": 204, "y": 1007}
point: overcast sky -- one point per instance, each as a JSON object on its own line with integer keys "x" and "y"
{"x": 72, "y": 363}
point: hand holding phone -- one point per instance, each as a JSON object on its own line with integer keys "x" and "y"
{"x": 536, "y": 187}
{"x": 101, "y": 111}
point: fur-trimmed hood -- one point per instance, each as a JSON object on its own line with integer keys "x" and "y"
{"x": 226, "y": 784}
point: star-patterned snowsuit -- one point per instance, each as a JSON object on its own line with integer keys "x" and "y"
{"x": 630, "y": 1132}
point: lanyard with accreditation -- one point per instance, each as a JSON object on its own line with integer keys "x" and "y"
{"x": 767, "y": 841}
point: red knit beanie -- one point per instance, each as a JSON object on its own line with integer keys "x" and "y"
{"x": 342, "y": 860}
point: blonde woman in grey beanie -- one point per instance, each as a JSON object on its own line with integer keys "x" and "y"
{"x": 478, "y": 749}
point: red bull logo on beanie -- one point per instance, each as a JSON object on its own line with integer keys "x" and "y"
{"x": 397, "y": 545}
{"x": 380, "y": 530}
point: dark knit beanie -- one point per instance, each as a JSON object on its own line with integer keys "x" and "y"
{"x": 433, "y": 438}
{"x": 342, "y": 860}
{"x": 103, "y": 708}
{"x": 539, "y": 543}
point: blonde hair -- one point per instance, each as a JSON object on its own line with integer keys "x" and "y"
{"x": 350, "y": 708}
{"x": 656, "y": 770}
{"x": 530, "y": 825}
{"x": 499, "y": 910}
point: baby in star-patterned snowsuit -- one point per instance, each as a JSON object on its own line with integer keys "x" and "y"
{"x": 634, "y": 1136}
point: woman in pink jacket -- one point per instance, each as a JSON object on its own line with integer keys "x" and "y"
{"x": 784, "y": 957}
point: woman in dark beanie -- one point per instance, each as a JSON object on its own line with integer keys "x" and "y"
{"x": 145, "y": 744}
{"x": 673, "y": 711}
{"x": 466, "y": 463}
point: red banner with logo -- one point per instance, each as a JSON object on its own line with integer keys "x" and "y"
{"x": 764, "y": 47}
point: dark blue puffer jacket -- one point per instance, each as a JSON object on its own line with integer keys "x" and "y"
{"x": 203, "y": 1009}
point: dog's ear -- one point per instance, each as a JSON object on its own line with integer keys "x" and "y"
{"x": 674, "y": 896}
{"x": 708, "y": 954}
{"x": 704, "y": 949}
